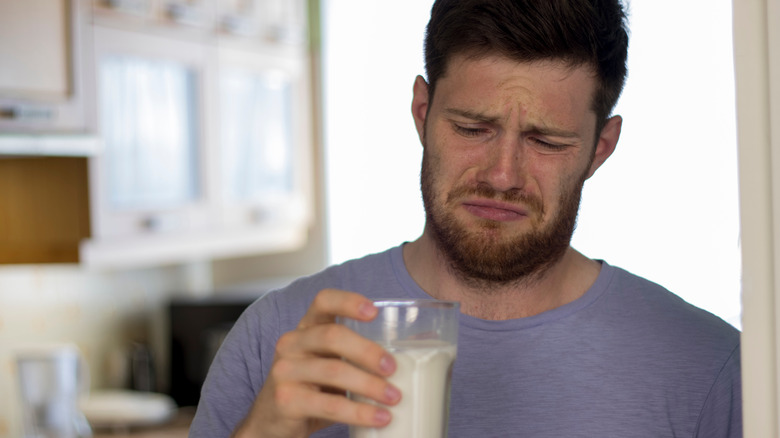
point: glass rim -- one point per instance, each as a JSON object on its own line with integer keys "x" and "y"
{"x": 416, "y": 302}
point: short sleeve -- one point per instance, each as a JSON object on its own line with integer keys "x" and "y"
{"x": 721, "y": 415}
{"x": 236, "y": 374}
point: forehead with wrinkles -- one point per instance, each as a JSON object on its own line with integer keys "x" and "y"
{"x": 548, "y": 94}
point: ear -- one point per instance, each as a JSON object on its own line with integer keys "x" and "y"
{"x": 606, "y": 143}
{"x": 420, "y": 106}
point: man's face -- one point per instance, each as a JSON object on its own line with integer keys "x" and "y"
{"x": 507, "y": 147}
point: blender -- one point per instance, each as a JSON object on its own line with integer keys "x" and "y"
{"x": 52, "y": 378}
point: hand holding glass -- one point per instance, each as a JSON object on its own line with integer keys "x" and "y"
{"x": 422, "y": 336}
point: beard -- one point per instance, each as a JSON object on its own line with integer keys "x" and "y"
{"x": 482, "y": 256}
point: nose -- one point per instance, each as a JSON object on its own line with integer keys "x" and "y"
{"x": 504, "y": 165}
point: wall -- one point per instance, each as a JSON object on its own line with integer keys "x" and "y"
{"x": 103, "y": 311}
{"x": 99, "y": 312}
{"x": 372, "y": 153}
{"x": 757, "y": 60}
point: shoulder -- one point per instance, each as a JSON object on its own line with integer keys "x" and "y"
{"x": 287, "y": 305}
{"x": 679, "y": 348}
{"x": 655, "y": 313}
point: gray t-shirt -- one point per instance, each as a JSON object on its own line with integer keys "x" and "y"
{"x": 627, "y": 359}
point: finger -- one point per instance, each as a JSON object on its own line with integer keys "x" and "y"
{"x": 302, "y": 401}
{"x": 336, "y": 340}
{"x": 330, "y": 303}
{"x": 337, "y": 374}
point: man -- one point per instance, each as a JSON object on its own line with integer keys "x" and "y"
{"x": 514, "y": 117}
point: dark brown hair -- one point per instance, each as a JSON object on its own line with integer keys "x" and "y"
{"x": 579, "y": 32}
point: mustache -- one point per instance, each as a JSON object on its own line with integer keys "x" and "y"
{"x": 513, "y": 196}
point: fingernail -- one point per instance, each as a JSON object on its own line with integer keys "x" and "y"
{"x": 387, "y": 364}
{"x": 367, "y": 309}
{"x": 392, "y": 394}
{"x": 382, "y": 417}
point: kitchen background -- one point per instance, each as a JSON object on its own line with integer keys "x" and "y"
{"x": 153, "y": 152}
{"x": 344, "y": 164}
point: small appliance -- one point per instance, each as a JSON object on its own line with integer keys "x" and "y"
{"x": 52, "y": 379}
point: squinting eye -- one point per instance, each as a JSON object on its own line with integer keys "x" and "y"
{"x": 469, "y": 132}
{"x": 549, "y": 146}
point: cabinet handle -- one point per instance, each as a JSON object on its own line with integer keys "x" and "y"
{"x": 8, "y": 113}
{"x": 138, "y": 7}
{"x": 258, "y": 215}
{"x": 160, "y": 223}
{"x": 185, "y": 13}
{"x": 150, "y": 223}
{"x": 28, "y": 113}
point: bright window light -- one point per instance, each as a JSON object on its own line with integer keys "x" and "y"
{"x": 664, "y": 206}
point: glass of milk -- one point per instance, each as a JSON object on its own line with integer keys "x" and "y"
{"x": 422, "y": 335}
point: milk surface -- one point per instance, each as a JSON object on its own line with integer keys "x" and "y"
{"x": 423, "y": 373}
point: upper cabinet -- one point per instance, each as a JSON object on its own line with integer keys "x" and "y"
{"x": 203, "y": 112}
{"x": 42, "y": 83}
{"x": 272, "y": 21}
{"x": 44, "y": 78}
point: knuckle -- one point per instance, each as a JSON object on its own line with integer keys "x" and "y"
{"x": 285, "y": 342}
{"x": 284, "y": 396}
{"x": 281, "y": 370}
{"x": 321, "y": 300}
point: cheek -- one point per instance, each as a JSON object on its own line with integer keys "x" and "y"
{"x": 569, "y": 188}
{"x": 555, "y": 183}
{"x": 451, "y": 163}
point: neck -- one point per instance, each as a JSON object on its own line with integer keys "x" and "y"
{"x": 560, "y": 283}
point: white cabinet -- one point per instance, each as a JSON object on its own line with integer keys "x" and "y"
{"x": 153, "y": 116}
{"x": 44, "y": 92}
{"x": 42, "y": 79}
{"x": 203, "y": 111}
{"x": 264, "y": 129}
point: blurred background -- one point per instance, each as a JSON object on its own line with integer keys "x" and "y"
{"x": 163, "y": 163}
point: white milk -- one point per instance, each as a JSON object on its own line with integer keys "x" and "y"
{"x": 423, "y": 373}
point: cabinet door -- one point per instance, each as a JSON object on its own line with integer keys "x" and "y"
{"x": 44, "y": 25}
{"x": 151, "y": 95}
{"x": 44, "y": 209}
{"x": 148, "y": 120}
{"x": 278, "y": 21}
{"x": 257, "y": 134}
{"x": 42, "y": 65}
{"x": 265, "y": 137}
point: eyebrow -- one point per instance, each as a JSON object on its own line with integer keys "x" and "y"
{"x": 471, "y": 115}
{"x": 553, "y": 132}
{"x": 533, "y": 129}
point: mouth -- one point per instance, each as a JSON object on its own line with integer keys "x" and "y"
{"x": 495, "y": 210}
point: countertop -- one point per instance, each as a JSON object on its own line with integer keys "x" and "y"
{"x": 177, "y": 427}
